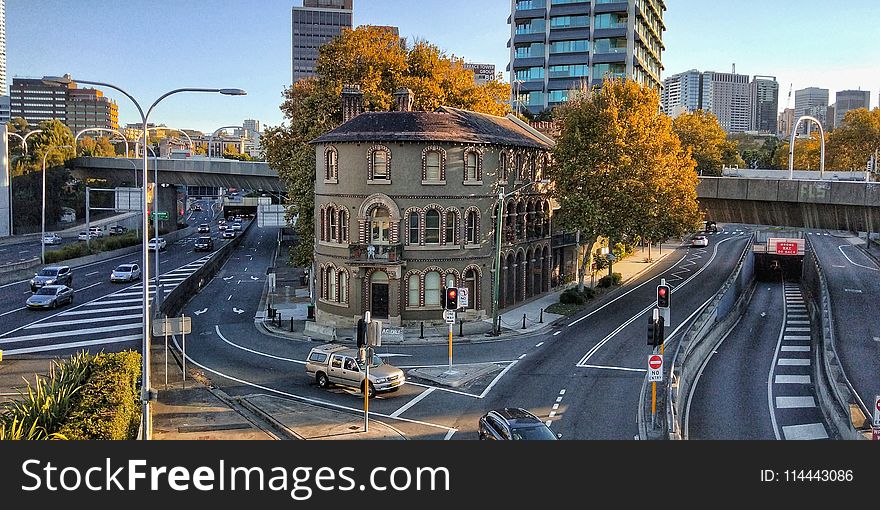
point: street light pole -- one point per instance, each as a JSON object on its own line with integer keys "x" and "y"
{"x": 145, "y": 225}
{"x": 113, "y": 131}
{"x": 43, "y": 230}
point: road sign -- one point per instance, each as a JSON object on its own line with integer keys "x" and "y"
{"x": 463, "y": 297}
{"x": 163, "y": 216}
{"x": 449, "y": 315}
{"x": 655, "y": 368}
{"x": 877, "y": 411}
{"x": 172, "y": 326}
{"x": 876, "y": 435}
{"x": 782, "y": 246}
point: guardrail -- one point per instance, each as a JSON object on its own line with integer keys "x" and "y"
{"x": 697, "y": 343}
{"x": 19, "y": 266}
{"x": 837, "y": 397}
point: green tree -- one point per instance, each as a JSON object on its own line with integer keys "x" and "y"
{"x": 373, "y": 59}
{"x": 620, "y": 171}
{"x": 851, "y": 145}
{"x": 702, "y": 134}
{"x": 53, "y": 137}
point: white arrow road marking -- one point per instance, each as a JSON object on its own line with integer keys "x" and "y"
{"x": 255, "y": 278}
{"x": 229, "y": 278}
{"x": 236, "y": 310}
{"x": 200, "y": 312}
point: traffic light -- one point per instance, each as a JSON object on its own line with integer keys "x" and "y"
{"x": 451, "y": 302}
{"x": 663, "y": 292}
{"x": 361, "y": 333}
{"x": 652, "y": 326}
{"x": 656, "y": 331}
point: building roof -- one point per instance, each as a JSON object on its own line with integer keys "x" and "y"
{"x": 443, "y": 125}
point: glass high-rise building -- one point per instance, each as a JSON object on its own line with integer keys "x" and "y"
{"x": 847, "y": 100}
{"x": 764, "y": 96}
{"x": 557, "y": 46}
{"x": 314, "y": 24}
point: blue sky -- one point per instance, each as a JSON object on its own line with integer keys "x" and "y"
{"x": 150, "y": 47}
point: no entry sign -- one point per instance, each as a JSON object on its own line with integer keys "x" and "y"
{"x": 655, "y": 368}
{"x": 877, "y": 411}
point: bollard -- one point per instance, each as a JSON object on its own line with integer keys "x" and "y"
{"x": 291, "y": 324}
{"x": 422, "y": 334}
{"x": 461, "y": 328}
{"x": 279, "y": 319}
{"x": 524, "y": 321}
{"x": 541, "y": 321}
{"x": 500, "y": 321}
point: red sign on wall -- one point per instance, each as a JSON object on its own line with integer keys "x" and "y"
{"x": 786, "y": 246}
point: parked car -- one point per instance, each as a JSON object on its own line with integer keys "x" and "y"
{"x": 204, "y": 228}
{"x": 50, "y": 296}
{"x": 157, "y": 243}
{"x": 203, "y": 244}
{"x": 514, "y": 423}
{"x": 52, "y": 275}
{"x": 336, "y": 364}
{"x": 52, "y": 238}
{"x": 700, "y": 241}
{"x": 228, "y": 234}
{"x": 236, "y": 226}
{"x": 117, "y": 230}
{"x": 126, "y": 273}
{"x": 96, "y": 231}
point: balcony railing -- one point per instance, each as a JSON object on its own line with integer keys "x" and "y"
{"x": 376, "y": 254}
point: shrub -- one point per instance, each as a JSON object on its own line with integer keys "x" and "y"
{"x": 610, "y": 281}
{"x": 616, "y": 278}
{"x": 71, "y": 251}
{"x": 572, "y": 297}
{"x": 108, "y": 406}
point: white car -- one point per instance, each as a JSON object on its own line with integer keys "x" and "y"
{"x": 125, "y": 273}
{"x": 52, "y": 238}
{"x": 700, "y": 241}
{"x": 96, "y": 231}
{"x": 157, "y": 243}
{"x": 236, "y": 226}
{"x": 85, "y": 236}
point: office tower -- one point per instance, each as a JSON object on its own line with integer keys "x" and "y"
{"x": 314, "y": 24}
{"x": 811, "y": 101}
{"x": 36, "y": 100}
{"x": 726, "y": 95}
{"x": 764, "y": 99}
{"x": 559, "y": 46}
{"x": 682, "y": 93}
{"x": 847, "y": 100}
{"x": 88, "y": 108}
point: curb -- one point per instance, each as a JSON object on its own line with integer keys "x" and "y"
{"x": 280, "y": 427}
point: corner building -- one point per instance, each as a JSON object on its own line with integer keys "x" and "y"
{"x": 405, "y": 204}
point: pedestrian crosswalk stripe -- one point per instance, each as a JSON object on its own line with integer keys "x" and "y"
{"x": 809, "y": 431}
{"x": 90, "y": 320}
{"x": 793, "y": 379}
{"x": 61, "y": 334}
{"x": 795, "y": 402}
{"x": 794, "y": 362}
{"x": 114, "y": 302}
{"x": 100, "y": 310}
{"x": 796, "y": 348}
{"x": 793, "y": 338}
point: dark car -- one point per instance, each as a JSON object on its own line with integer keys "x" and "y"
{"x": 117, "y": 230}
{"x": 50, "y": 296}
{"x": 203, "y": 244}
{"x": 514, "y": 423}
{"x": 52, "y": 275}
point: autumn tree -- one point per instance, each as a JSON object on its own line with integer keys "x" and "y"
{"x": 702, "y": 134}
{"x": 807, "y": 153}
{"x": 620, "y": 172}
{"x": 854, "y": 142}
{"x": 373, "y": 59}
{"x": 100, "y": 148}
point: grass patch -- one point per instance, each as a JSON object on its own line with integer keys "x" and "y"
{"x": 563, "y": 309}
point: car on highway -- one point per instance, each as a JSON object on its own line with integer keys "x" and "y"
{"x": 52, "y": 238}
{"x": 85, "y": 236}
{"x": 52, "y": 275}
{"x": 221, "y": 225}
{"x": 236, "y": 226}
{"x": 700, "y": 241}
{"x": 204, "y": 228}
{"x": 117, "y": 230}
{"x": 203, "y": 244}
{"x": 514, "y": 423}
{"x": 96, "y": 231}
{"x": 157, "y": 243}
{"x": 337, "y": 364}
{"x": 197, "y": 207}
{"x": 228, "y": 234}
{"x": 125, "y": 273}
{"x": 50, "y": 296}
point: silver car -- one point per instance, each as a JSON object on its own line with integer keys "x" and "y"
{"x": 52, "y": 238}
{"x": 126, "y": 273}
{"x": 337, "y": 364}
{"x": 50, "y": 296}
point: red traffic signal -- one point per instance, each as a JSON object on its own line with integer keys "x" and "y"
{"x": 663, "y": 293}
{"x": 451, "y": 299}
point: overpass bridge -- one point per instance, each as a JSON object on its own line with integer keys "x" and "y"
{"x": 807, "y": 203}
{"x": 221, "y": 173}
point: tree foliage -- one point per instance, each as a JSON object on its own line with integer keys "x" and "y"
{"x": 853, "y": 143}
{"x": 702, "y": 134}
{"x": 374, "y": 59}
{"x": 620, "y": 171}
{"x": 100, "y": 148}
{"x": 807, "y": 152}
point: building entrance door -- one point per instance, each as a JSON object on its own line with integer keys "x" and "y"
{"x": 379, "y": 295}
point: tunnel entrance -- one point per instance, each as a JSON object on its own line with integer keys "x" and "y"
{"x": 772, "y": 268}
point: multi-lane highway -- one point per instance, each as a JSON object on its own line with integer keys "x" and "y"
{"x": 104, "y": 315}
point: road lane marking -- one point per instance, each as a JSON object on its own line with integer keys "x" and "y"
{"x": 412, "y": 402}
{"x": 793, "y": 362}
{"x": 84, "y": 321}
{"x": 854, "y": 291}
{"x": 93, "y": 273}
{"x": 258, "y": 353}
{"x": 624, "y": 369}
{"x": 795, "y": 402}
{"x": 61, "y": 334}
{"x": 497, "y": 378}
{"x": 807, "y": 432}
{"x": 559, "y": 399}
{"x": 793, "y": 379}
{"x": 562, "y": 392}
{"x": 100, "y": 310}
{"x": 114, "y": 302}
{"x": 449, "y": 434}
{"x": 74, "y": 345}
{"x": 13, "y": 311}
{"x": 523, "y": 356}
{"x": 851, "y": 260}
{"x": 795, "y": 348}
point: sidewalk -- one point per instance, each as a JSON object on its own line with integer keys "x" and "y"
{"x": 291, "y": 300}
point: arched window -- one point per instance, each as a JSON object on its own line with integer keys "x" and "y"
{"x": 413, "y": 227}
{"x": 432, "y": 227}
{"x": 331, "y": 285}
{"x": 450, "y": 280}
{"x": 331, "y": 169}
{"x": 503, "y": 162}
{"x": 323, "y": 235}
{"x": 473, "y": 226}
{"x": 343, "y": 287}
{"x": 380, "y": 226}
{"x": 432, "y": 289}
{"x": 412, "y": 294}
{"x": 331, "y": 221}
{"x": 322, "y": 283}
{"x": 380, "y": 163}
{"x": 471, "y": 166}
{"x": 432, "y": 166}
{"x": 343, "y": 226}
{"x": 522, "y": 162}
{"x": 471, "y": 283}
{"x": 451, "y": 227}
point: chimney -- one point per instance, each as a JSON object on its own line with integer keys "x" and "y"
{"x": 352, "y": 102}
{"x": 403, "y": 100}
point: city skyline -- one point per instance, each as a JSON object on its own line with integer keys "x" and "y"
{"x": 254, "y": 53}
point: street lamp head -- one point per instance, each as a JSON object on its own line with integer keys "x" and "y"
{"x": 233, "y": 92}
{"x": 59, "y": 80}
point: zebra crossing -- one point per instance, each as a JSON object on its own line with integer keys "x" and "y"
{"x": 793, "y": 400}
{"x": 115, "y": 319}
